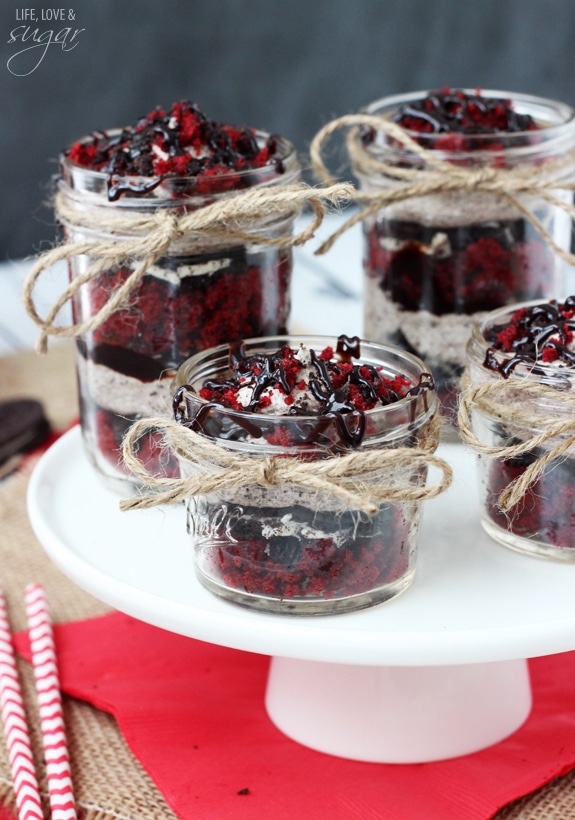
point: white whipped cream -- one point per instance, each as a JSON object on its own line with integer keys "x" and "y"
{"x": 302, "y": 396}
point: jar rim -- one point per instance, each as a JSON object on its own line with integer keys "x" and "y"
{"x": 78, "y": 179}
{"x": 410, "y": 406}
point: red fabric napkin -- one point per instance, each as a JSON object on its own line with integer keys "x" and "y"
{"x": 194, "y": 715}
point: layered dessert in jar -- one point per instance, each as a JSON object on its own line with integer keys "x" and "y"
{"x": 206, "y": 289}
{"x": 435, "y": 264}
{"x": 297, "y": 549}
{"x": 529, "y": 352}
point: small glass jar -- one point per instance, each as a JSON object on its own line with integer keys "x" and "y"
{"x": 435, "y": 264}
{"x": 287, "y": 549}
{"x": 542, "y": 521}
{"x": 203, "y": 291}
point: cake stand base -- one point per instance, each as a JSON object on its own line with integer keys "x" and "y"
{"x": 397, "y": 714}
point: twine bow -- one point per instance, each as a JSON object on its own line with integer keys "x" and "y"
{"x": 146, "y": 238}
{"x": 511, "y": 401}
{"x": 220, "y": 469}
{"x": 438, "y": 177}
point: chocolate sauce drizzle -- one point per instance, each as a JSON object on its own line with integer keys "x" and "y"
{"x": 196, "y": 420}
{"x": 457, "y": 112}
{"x": 130, "y": 152}
{"x": 538, "y": 327}
{"x": 118, "y": 189}
{"x": 265, "y": 370}
{"x": 453, "y": 111}
{"x": 348, "y": 348}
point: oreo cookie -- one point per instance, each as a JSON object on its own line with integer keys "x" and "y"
{"x": 23, "y": 426}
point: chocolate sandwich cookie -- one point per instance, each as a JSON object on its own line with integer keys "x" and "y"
{"x": 23, "y": 426}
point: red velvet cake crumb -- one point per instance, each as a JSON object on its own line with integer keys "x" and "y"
{"x": 457, "y": 116}
{"x": 301, "y": 382}
{"x": 181, "y": 142}
{"x": 539, "y": 333}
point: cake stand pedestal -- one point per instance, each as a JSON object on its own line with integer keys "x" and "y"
{"x": 437, "y": 672}
{"x": 398, "y": 714}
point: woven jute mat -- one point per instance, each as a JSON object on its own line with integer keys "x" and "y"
{"x": 109, "y": 782}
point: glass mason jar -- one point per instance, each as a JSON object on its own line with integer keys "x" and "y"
{"x": 435, "y": 264}
{"x": 542, "y": 521}
{"x": 288, "y": 549}
{"x": 203, "y": 291}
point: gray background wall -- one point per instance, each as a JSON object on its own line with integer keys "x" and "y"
{"x": 281, "y": 65}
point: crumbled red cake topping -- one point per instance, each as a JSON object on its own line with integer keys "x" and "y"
{"x": 452, "y": 111}
{"x": 181, "y": 142}
{"x": 453, "y": 117}
{"x": 303, "y": 382}
{"x": 540, "y": 333}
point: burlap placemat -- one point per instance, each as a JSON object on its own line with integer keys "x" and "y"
{"x": 109, "y": 782}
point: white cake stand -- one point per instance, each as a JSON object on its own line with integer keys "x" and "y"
{"x": 438, "y": 672}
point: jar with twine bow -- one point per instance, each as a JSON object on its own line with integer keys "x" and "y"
{"x": 285, "y": 514}
{"x": 520, "y": 420}
{"x": 456, "y": 224}
{"x": 163, "y": 267}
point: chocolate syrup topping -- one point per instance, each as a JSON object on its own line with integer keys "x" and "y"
{"x": 342, "y": 390}
{"x": 426, "y": 382}
{"x": 348, "y": 348}
{"x": 459, "y": 112}
{"x": 195, "y": 420}
{"x": 180, "y": 143}
{"x": 116, "y": 189}
{"x": 455, "y": 112}
{"x": 537, "y": 335}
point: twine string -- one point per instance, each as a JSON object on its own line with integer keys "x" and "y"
{"x": 146, "y": 238}
{"x": 438, "y": 176}
{"x": 220, "y": 469}
{"x": 510, "y": 401}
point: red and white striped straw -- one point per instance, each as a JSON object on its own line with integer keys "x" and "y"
{"x": 50, "y": 705}
{"x": 28, "y": 800}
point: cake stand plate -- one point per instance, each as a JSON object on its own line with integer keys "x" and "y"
{"x": 437, "y": 672}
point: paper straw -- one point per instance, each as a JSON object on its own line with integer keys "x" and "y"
{"x": 50, "y": 705}
{"x": 16, "y": 728}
